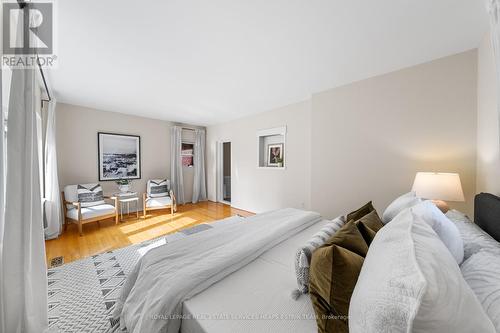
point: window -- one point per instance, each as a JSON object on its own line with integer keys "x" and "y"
{"x": 187, "y": 150}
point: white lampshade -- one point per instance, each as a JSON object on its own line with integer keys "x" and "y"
{"x": 438, "y": 186}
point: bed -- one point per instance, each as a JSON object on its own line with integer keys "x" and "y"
{"x": 256, "y": 297}
{"x": 217, "y": 308}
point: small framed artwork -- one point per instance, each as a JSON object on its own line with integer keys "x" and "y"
{"x": 187, "y": 154}
{"x": 275, "y": 155}
{"x": 119, "y": 156}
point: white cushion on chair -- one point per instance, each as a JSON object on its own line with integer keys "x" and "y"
{"x": 70, "y": 194}
{"x": 91, "y": 212}
{"x": 158, "y": 202}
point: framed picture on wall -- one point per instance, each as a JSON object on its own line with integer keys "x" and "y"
{"x": 187, "y": 154}
{"x": 275, "y": 155}
{"x": 119, "y": 156}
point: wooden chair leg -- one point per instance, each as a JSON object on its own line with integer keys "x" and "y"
{"x": 172, "y": 211}
{"x": 116, "y": 218}
{"x": 80, "y": 228}
{"x": 144, "y": 212}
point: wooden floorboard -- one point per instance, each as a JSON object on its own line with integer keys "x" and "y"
{"x": 108, "y": 236}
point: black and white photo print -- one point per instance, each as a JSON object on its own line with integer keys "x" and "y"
{"x": 119, "y": 156}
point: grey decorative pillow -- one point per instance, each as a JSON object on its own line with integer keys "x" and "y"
{"x": 158, "y": 188}
{"x": 304, "y": 253}
{"x": 90, "y": 195}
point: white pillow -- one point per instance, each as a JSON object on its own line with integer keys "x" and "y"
{"x": 482, "y": 273}
{"x": 399, "y": 204}
{"x": 409, "y": 282}
{"x": 474, "y": 238}
{"x": 444, "y": 228}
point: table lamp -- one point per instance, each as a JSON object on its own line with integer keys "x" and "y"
{"x": 439, "y": 187}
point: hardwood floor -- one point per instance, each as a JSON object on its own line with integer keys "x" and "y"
{"x": 109, "y": 236}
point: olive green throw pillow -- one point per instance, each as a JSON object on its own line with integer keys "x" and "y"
{"x": 359, "y": 213}
{"x": 369, "y": 225}
{"x": 372, "y": 221}
{"x": 334, "y": 271}
{"x": 349, "y": 237}
{"x": 367, "y": 233}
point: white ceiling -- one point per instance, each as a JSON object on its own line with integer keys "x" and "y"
{"x": 205, "y": 62}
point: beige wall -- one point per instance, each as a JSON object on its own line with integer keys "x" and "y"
{"x": 371, "y": 137}
{"x": 255, "y": 189}
{"x": 77, "y": 129}
{"x": 363, "y": 141}
{"x": 488, "y": 140}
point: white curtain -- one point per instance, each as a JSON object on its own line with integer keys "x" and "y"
{"x": 199, "y": 184}
{"x": 52, "y": 196}
{"x": 23, "y": 271}
{"x": 176, "y": 164}
{"x": 23, "y": 292}
{"x": 2, "y": 197}
{"x": 494, "y": 10}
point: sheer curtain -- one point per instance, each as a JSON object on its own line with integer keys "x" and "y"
{"x": 494, "y": 9}
{"x": 23, "y": 271}
{"x": 176, "y": 164}
{"x": 52, "y": 196}
{"x": 199, "y": 184}
{"x": 2, "y": 198}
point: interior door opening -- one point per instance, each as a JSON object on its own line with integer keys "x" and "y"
{"x": 226, "y": 172}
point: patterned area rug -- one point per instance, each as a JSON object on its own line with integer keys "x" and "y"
{"x": 82, "y": 294}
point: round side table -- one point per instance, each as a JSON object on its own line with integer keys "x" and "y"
{"x": 126, "y": 199}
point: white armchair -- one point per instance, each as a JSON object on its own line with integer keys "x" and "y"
{"x": 75, "y": 213}
{"x": 159, "y": 196}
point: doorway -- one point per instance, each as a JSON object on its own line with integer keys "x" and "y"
{"x": 224, "y": 172}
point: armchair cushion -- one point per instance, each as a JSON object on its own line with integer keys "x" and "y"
{"x": 91, "y": 212}
{"x": 158, "y": 202}
{"x": 70, "y": 194}
{"x": 158, "y": 188}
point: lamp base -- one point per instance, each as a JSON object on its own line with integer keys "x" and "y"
{"x": 443, "y": 206}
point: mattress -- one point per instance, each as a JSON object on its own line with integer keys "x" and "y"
{"x": 257, "y": 298}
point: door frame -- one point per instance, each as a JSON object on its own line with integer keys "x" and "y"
{"x": 220, "y": 171}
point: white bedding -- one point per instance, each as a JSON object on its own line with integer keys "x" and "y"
{"x": 261, "y": 289}
{"x": 155, "y": 290}
{"x": 482, "y": 273}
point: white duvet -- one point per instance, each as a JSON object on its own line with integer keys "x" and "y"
{"x": 165, "y": 277}
{"x": 482, "y": 273}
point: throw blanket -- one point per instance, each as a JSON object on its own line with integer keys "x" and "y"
{"x": 166, "y": 276}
